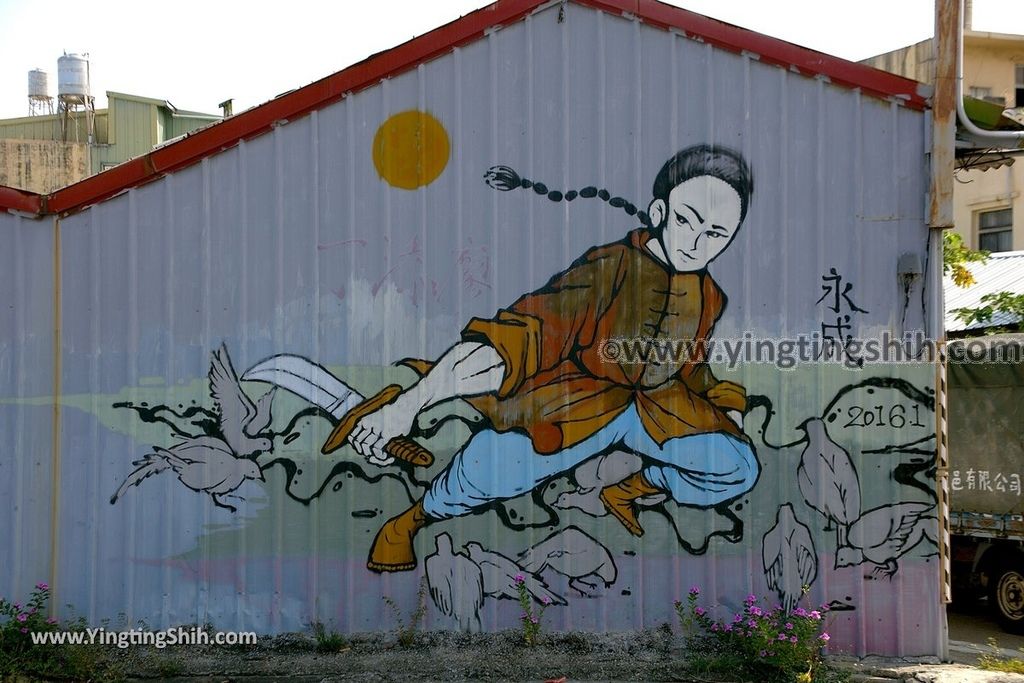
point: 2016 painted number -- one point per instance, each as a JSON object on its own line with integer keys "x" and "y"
{"x": 897, "y": 416}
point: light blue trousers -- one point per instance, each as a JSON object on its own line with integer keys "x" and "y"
{"x": 699, "y": 470}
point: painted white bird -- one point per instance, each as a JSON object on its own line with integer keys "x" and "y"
{"x": 885, "y": 533}
{"x": 788, "y": 556}
{"x": 596, "y": 473}
{"x": 499, "y": 574}
{"x": 242, "y": 422}
{"x": 828, "y": 479}
{"x": 456, "y": 584}
{"x": 203, "y": 464}
{"x": 573, "y": 553}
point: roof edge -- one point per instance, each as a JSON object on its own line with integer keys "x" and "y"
{"x": 773, "y": 50}
{"x": 264, "y": 118}
{"x": 13, "y": 199}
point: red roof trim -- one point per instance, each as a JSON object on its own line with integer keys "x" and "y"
{"x": 13, "y": 199}
{"x": 263, "y": 118}
{"x": 770, "y": 50}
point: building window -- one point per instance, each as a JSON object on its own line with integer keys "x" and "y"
{"x": 1020, "y": 85}
{"x": 995, "y": 230}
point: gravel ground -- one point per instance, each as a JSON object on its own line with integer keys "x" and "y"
{"x": 652, "y": 655}
{"x": 649, "y": 655}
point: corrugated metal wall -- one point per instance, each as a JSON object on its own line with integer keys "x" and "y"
{"x": 293, "y": 243}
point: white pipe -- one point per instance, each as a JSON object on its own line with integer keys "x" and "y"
{"x": 1006, "y": 138}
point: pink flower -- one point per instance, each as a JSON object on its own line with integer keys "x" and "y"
{"x": 43, "y": 586}
{"x": 534, "y": 620}
{"x": 694, "y": 590}
{"x": 756, "y": 611}
{"x": 737, "y": 618}
{"x": 789, "y": 626}
{"x": 546, "y": 600}
{"x": 752, "y": 624}
{"x": 519, "y": 578}
{"x": 23, "y": 617}
{"x": 727, "y": 628}
{"x": 751, "y": 599}
{"x": 800, "y": 612}
{"x": 825, "y": 637}
{"x": 793, "y": 639}
{"x": 700, "y": 611}
{"x": 24, "y": 630}
{"x": 714, "y": 628}
{"x": 815, "y": 615}
{"x": 782, "y": 636}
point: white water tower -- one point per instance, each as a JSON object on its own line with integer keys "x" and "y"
{"x": 39, "y": 100}
{"x": 74, "y": 98}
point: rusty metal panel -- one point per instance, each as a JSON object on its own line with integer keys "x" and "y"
{"x": 362, "y": 235}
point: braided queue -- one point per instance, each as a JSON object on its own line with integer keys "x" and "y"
{"x": 504, "y": 179}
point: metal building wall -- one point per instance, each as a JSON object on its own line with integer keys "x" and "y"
{"x": 294, "y": 243}
{"x": 26, "y": 406}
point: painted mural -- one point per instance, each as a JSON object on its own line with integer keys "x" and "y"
{"x": 583, "y": 300}
{"x": 587, "y": 409}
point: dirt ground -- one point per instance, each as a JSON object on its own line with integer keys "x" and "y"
{"x": 649, "y": 655}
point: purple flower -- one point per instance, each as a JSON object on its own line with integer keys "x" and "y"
{"x": 789, "y": 626}
{"x": 815, "y": 615}
{"x": 43, "y": 586}
{"x": 752, "y": 624}
{"x": 24, "y": 630}
{"x": 23, "y": 617}
{"x": 519, "y": 578}
{"x": 546, "y": 600}
{"x": 800, "y": 612}
{"x": 764, "y": 653}
{"x": 756, "y": 611}
{"x": 825, "y": 637}
{"x": 727, "y": 628}
{"x": 714, "y": 628}
{"x": 524, "y": 615}
{"x": 534, "y": 620}
{"x": 51, "y": 620}
{"x": 793, "y": 639}
{"x": 782, "y": 636}
{"x": 695, "y": 590}
{"x": 700, "y": 611}
{"x": 751, "y": 599}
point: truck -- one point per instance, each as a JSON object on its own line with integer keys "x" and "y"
{"x": 985, "y": 385}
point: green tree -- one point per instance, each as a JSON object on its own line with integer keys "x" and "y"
{"x": 955, "y": 257}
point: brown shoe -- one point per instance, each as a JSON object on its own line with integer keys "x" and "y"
{"x": 619, "y": 500}
{"x": 392, "y": 549}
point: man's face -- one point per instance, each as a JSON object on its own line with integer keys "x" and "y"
{"x": 701, "y": 218}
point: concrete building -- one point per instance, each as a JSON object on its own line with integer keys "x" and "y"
{"x": 989, "y": 202}
{"x": 33, "y": 155}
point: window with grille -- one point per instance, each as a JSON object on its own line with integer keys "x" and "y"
{"x": 995, "y": 230}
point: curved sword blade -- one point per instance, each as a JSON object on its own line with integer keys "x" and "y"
{"x": 306, "y": 379}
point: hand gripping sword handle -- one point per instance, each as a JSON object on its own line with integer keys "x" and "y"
{"x": 400, "y": 447}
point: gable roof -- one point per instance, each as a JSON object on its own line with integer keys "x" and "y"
{"x": 258, "y": 120}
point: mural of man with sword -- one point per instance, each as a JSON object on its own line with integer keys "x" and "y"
{"x": 545, "y": 374}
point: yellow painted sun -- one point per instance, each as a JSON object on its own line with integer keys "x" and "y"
{"x": 410, "y": 149}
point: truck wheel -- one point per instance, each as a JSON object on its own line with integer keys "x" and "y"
{"x": 1007, "y": 595}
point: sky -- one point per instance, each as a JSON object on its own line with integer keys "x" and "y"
{"x": 197, "y": 54}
